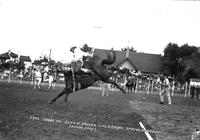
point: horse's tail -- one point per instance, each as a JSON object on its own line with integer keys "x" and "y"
{"x": 111, "y": 57}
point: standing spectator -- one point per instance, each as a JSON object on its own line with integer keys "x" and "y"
{"x": 186, "y": 89}
{"x": 51, "y": 80}
{"x": 45, "y": 75}
{"x": 37, "y": 78}
{"x": 197, "y": 93}
{"x": 173, "y": 87}
{"x": 165, "y": 90}
{"x": 196, "y": 135}
{"x": 192, "y": 92}
{"x": 158, "y": 83}
{"x": 105, "y": 88}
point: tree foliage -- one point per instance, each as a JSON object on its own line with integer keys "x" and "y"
{"x": 182, "y": 62}
{"x": 131, "y": 49}
{"x": 192, "y": 67}
{"x": 43, "y": 60}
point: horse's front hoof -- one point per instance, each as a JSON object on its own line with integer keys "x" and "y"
{"x": 50, "y": 102}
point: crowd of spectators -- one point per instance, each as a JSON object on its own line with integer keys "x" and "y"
{"x": 149, "y": 83}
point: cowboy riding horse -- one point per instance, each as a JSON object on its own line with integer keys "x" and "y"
{"x": 77, "y": 78}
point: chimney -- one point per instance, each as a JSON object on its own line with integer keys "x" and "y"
{"x": 127, "y": 52}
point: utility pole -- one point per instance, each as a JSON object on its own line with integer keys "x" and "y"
{"x": 50, "y": 55}
{"x": 49, "y": 58}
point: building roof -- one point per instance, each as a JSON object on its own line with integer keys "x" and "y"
{"x": 25, "y": 58}
{"x": 7, "y": 55}
{"x": 144, "y": 62}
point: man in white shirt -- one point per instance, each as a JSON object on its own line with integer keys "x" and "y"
{"x": 173, "y": 87}
{"x": 165, "y": 90}
{"x": 105, "y": 87}
{"x": 38, "y": 78}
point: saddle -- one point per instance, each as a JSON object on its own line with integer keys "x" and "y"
{"x": 77, "y": 67}
{"x": 78, "y": 70}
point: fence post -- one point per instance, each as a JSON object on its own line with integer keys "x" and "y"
{"x": 148, "y": 88}
{"x": 186, "y": 85}
{"x": 136, "y": 85}
{"x": 20, "y": 77}
{"x": 32, "y": 77}
{"x": 9, "y": 75}
{"x": 152, "y": 85}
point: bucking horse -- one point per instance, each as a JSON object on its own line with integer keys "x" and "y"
{"x": 76, "y": 80}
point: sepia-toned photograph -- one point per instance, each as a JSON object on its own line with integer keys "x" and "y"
{"x": 99, "y": 70}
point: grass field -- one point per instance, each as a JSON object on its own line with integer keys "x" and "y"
{"x": 25, "y": 114}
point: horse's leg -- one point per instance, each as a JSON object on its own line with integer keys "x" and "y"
{"x": 49, "y": 85}
{"x": 53, "y": 85}
{"x": 34, "y": 86}
{"x": 131, "y": 88}
{"x": 58, "y": 96}
{"x": 114, "y": 83}
{"x": 127, "y": 88}
{"x": 66, "y": 96}
{"x": 38, "y": 84}
{"x": 134, "y": 88}
{"x": 70, "y": 90}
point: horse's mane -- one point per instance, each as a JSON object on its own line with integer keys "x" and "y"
{"x": 111, "y": 57}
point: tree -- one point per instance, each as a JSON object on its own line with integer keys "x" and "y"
{"x": 169, "y": 60}
{"x": 131, "y": 49}
{"x": 186, "y": 50}
{"x": 183, "y": 62}
{"x": 20, "y": 65}
{"x": 51, "y": 63}
{"x": 36, "y": 62}
{"x": 43, "y": 60}
{"x": 58, "y": 67}
{"x": 192, "y": 67}
{"x": 171, "y": 52}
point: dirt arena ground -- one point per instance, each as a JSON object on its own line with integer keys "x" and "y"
{"x": 25, "y": 114}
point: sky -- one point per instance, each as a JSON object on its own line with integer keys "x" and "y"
{"x": 33, "y": 27}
